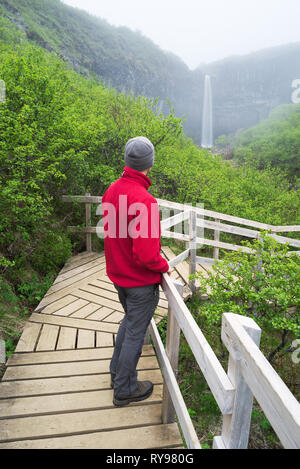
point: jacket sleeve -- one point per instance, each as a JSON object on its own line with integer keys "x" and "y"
{"x": 145, "y": 233}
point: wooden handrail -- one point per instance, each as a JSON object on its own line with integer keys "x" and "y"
{"x": 216, "y": 225}
{"x": 249, "y": 374}
{"x": 254, "y": 374}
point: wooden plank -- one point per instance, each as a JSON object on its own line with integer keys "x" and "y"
{"x": 80, "y": 422}
{"x": 71, "y": 308}
{"x": 248, "y": 233}
{"x": 114, "y": 305}
{"x": 97, "y": 268}
{"x": 173, "y": 388}
{"x": 288, "y": 229}
{"x": 278, "y": 403}
{"x": 104, "y": 285}
{"x": 220, "y": 244}
{"x": 80, "y": 269}
{"x": 289, "y": 241}
{"x": 85, "y": 339}
{"x": 212, "y": 214}
{"x": 192, "y": 248}
{"x": 182, "y": 268}
{"x": 51, "y": 297}
{"x": 101, "y": 292}
{"x": 236, "y": 427}
{"x": 28, "y": 338}
{"x": 100, "y": 314}
{"x": 95, "y": 288}
{"x": 115, "y": 317}
{"x": 211, "y": 368}
{"x": 79, "y": 260}
{"x": 180, "y": 258}
{"x": 70, "y": 402}
{"x": 67, "y": 356}
{"x": 88, "y": 218}
{"x": 73, "y": 322}
{"x": 66, "y": 338}
{"x": 60, "y": 385}
{"x": 172, "y": 351}
{"x": 104, "y": 340}
{"x": 48, "y": 337}
{"x": 206, "y": 260}
{"x": 216, "y": 238}
{"x": 66, "y": 300}
{"x": 86, "y": 229}
{"x": 106, "y": 279}
{"x": 82, "y": 199}
{"x": 68, "y": 369}
{"x": 174, "y": 235}
{"x": 174, "y": 220}
{"x": 218, "y": 226}
{"x": 85, "y": 311}
{"x": 156, "y": 436}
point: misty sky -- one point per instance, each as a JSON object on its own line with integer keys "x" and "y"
{"x": 203, "y": 31}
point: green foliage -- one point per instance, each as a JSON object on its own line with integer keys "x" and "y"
{"x": 33, "y": 289}
{"x": 162, "y": 329}
{"x": 123, "y": 58}
{"x": 275, "y": 141}
{"x": 61, "y": 133}
{"x": 11, "y": 342}
{"x": 263, "y": 284}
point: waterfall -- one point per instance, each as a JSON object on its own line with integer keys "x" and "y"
{"x": 207, "y": 117}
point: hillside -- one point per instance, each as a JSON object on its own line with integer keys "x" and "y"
{"x": 275, "y": 141}
{"x": 121, "y": 58}
{"x": 245, "y": 88}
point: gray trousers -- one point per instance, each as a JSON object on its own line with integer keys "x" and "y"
{"x": 139, "y": 304}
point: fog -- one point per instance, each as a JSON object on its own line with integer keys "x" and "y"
{"x": 204, "y": 31}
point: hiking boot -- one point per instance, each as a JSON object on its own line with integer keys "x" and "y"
{"x": 143, "y": 391}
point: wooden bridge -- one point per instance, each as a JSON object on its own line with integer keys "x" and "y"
{"x": 56, "y": 392}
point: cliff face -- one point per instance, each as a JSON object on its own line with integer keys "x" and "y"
{"x": 244, "y": 88}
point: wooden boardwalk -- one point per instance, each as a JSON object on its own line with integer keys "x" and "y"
{"x": 56, "y": 391}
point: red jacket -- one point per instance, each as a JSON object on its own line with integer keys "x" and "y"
{"x": 132, "y": 232}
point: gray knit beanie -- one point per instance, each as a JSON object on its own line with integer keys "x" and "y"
{"x": 139, "y": 153}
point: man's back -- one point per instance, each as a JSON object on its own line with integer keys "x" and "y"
{"x": 132, "y": 232}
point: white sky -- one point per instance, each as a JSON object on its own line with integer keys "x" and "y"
{"x": 203, "y": 31}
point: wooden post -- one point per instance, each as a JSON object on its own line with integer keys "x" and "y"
{"x": 88, "y": 224}
{"x": 147, "y": 337}
{"x": 236, "y": 426}
{"x": 192, "y": 247}
{"x": 216, "y": 238}
{"x": 172, "y": 351}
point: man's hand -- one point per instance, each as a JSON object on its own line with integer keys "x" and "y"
{"x": 170, "y": 271}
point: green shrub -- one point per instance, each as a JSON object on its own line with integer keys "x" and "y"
{"x": 264, "y": 285}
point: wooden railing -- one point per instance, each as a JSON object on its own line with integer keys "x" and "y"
{"x": 249, "y": 373}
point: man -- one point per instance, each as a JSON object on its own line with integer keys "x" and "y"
{"x": 134, "y": 264}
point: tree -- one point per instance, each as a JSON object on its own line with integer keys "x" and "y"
{"x": 263, "y": 284}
